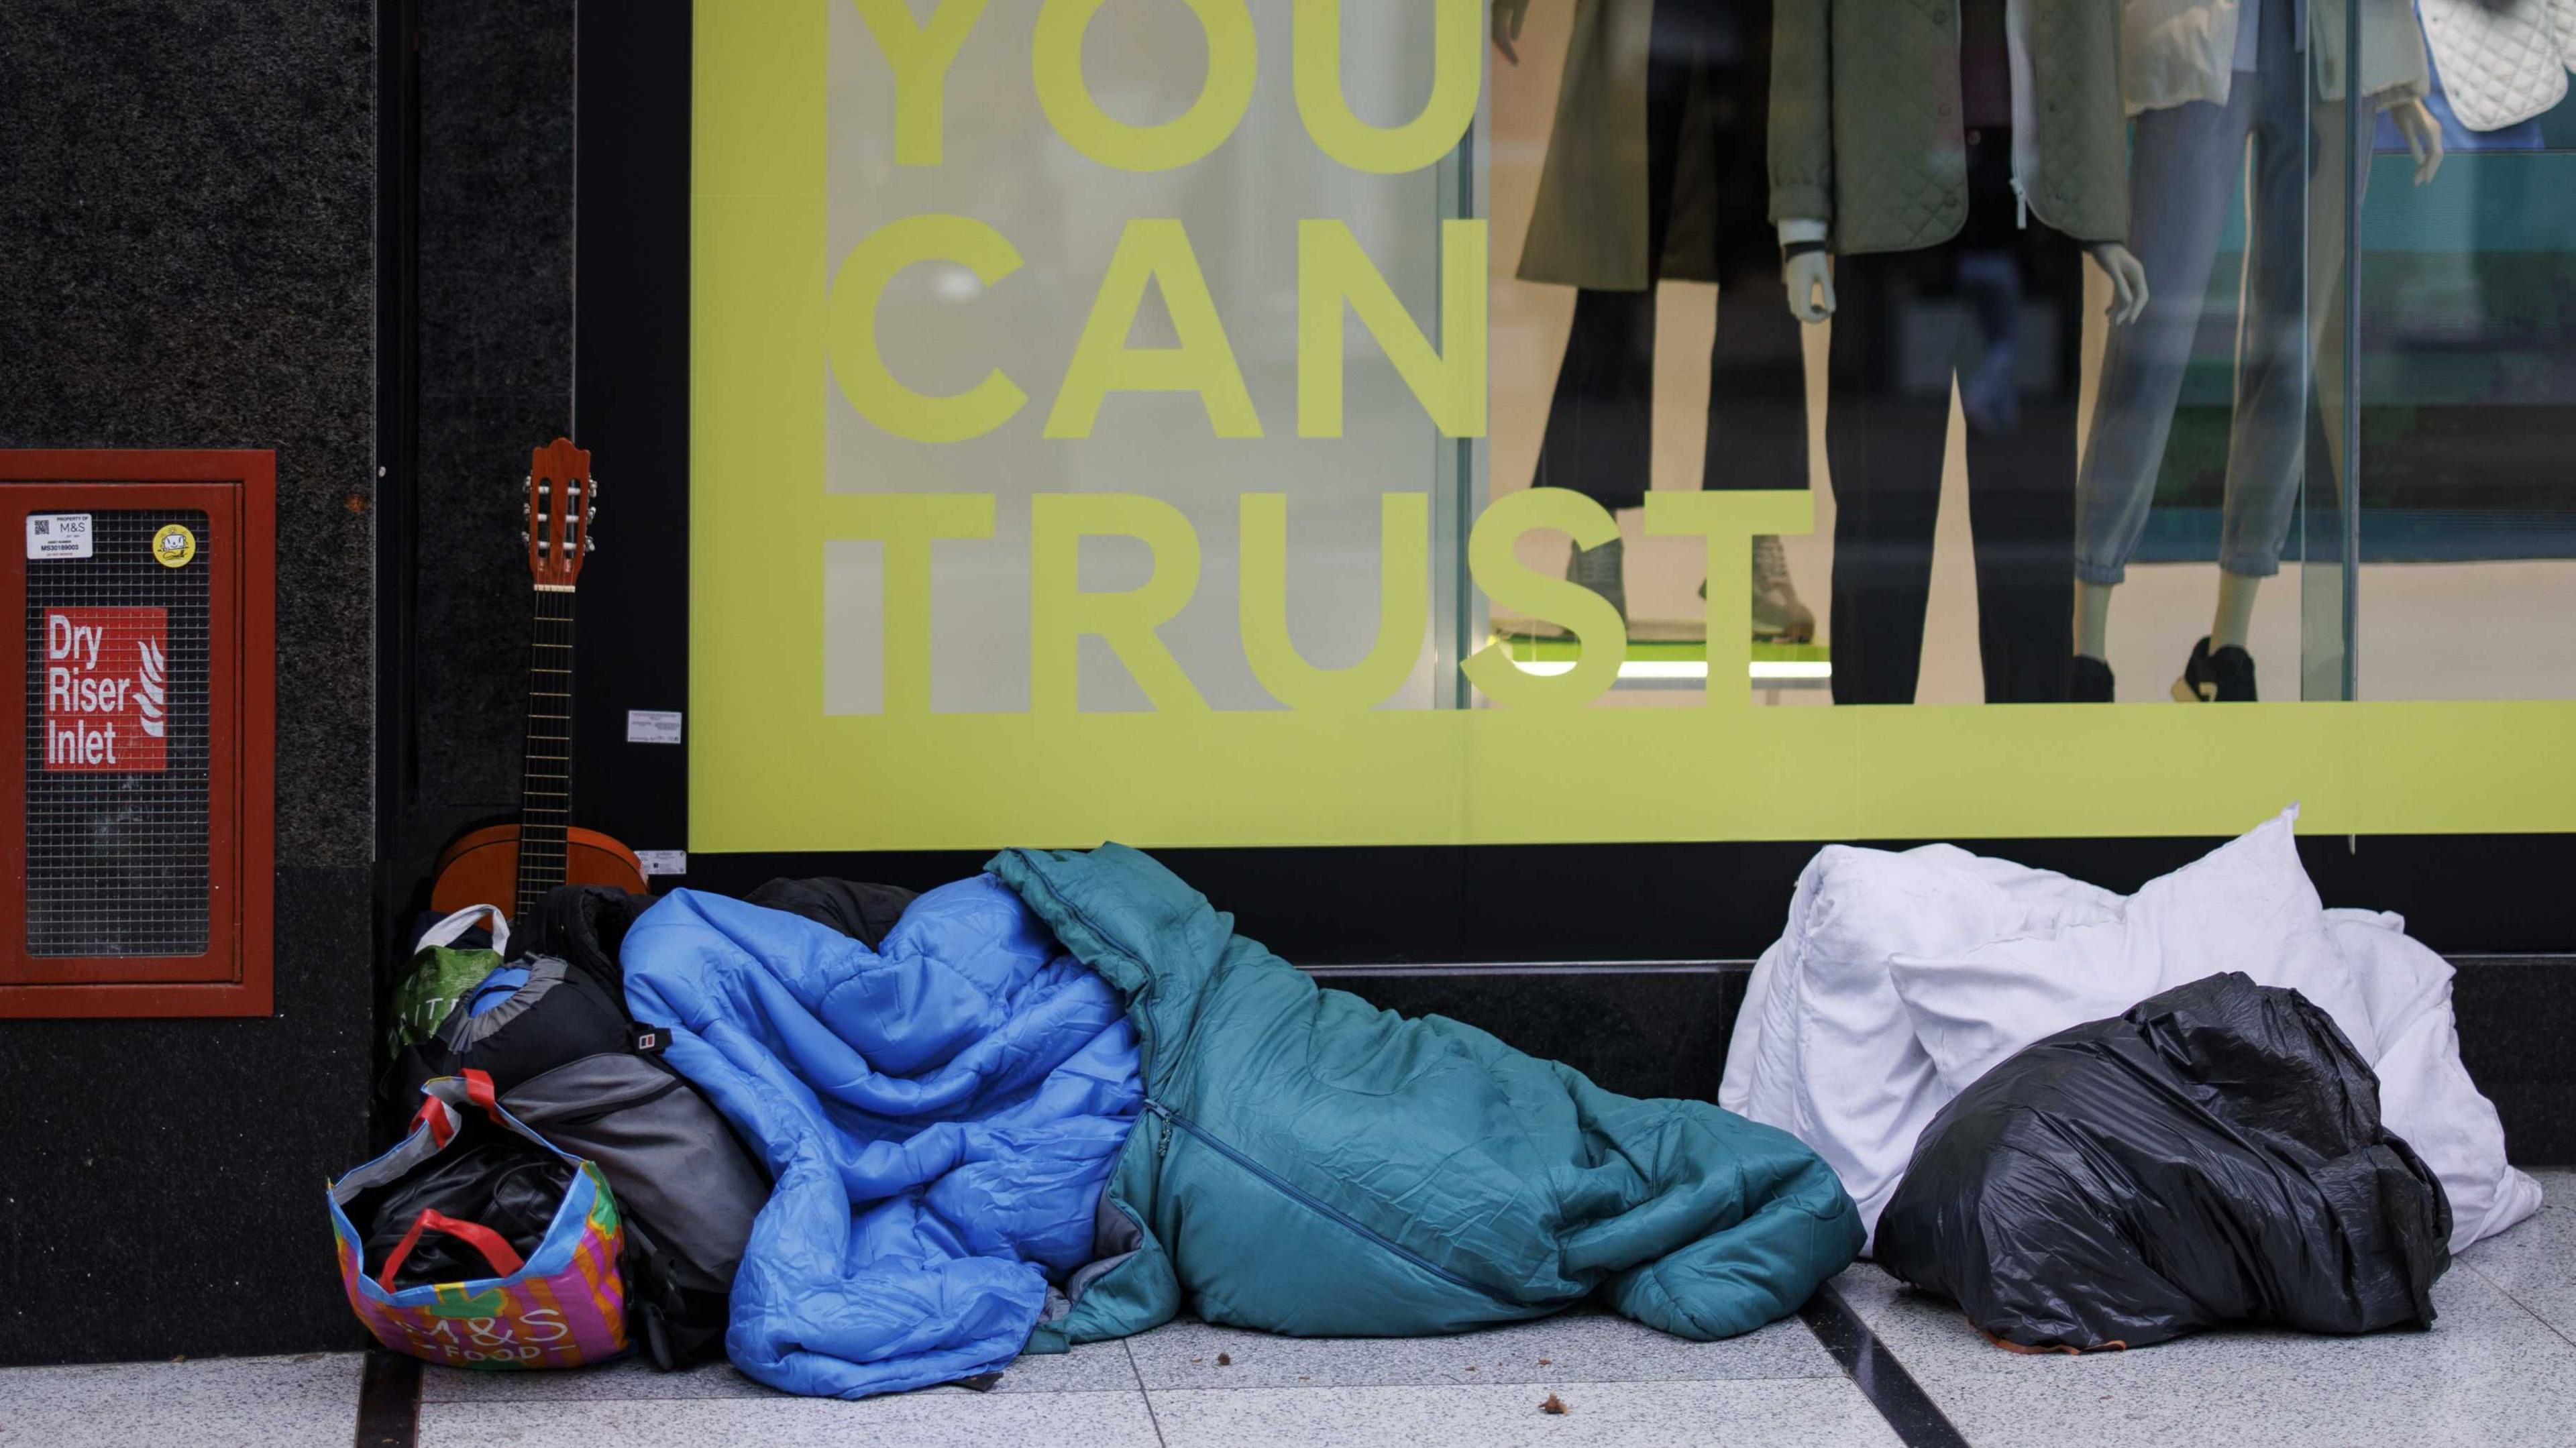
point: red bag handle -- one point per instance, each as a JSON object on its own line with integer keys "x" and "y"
{"x": 495, "y": 1251}
{"x": 441, "y": 1131}
{"x": 478, "y": 1090}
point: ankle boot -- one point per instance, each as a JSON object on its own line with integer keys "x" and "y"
{"x": 1604, "y": 571}
{"x": 1777, "y": 613}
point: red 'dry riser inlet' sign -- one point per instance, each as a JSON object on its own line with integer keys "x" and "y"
{"x": 107, "y": 682}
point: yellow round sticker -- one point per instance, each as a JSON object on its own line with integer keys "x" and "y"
{"x": 174, "y": 545}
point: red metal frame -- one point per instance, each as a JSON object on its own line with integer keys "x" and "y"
{"x": 235, "y": 977}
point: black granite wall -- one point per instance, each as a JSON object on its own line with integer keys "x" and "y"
{"x": 495, "y": 368}
{"x": 187, "y": 259}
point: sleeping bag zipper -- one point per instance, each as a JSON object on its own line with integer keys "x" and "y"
{"x": 1304, "y": 1198}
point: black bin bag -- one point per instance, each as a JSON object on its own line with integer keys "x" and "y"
{"x": 2212, "y": 1156}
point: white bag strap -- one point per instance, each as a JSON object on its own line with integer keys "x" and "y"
{"x": 446, "y": 931}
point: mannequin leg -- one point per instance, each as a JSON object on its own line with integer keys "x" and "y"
{"x": 2020, "y": 505}
{"x": 1757, "y": 419}
{"x": 1599, "y": 420}
{"x": 2183, "y": 173}
{"x": 1757, "y": 382}
{"x": 2093, "y": 619}
{"x": 2234, "y": 625}
{"x": 1885, "y": 449}
{"x": 1599, "y": 436}
{"x": 2286, "y": 359}
{"x": 1757, "y": 373}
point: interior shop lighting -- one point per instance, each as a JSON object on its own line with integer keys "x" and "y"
{"x": 1670, "y": 669}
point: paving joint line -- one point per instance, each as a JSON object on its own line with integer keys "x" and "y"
{"x": 1152, "y": 1419}
{"x": 2508, "y": 1293}
{"x": 1917, "y": 1421}
{"x": 388, "y": 1401}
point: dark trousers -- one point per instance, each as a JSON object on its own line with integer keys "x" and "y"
{"x": 1904, "y": 323}
{"x": 1599, "y": 439}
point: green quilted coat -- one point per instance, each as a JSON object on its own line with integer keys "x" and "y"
{"x": 1309, "y": 1164}
{"x": 1866, "y": 133}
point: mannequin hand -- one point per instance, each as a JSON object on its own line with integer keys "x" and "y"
{"x": 1809, "y": 275}
{"x": 2423, "y": 137}
{"x": 1508, "y": 15}
{"x": 2128, "y": 281}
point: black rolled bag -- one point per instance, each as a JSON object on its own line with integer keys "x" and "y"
{"x": 2213, "y": 1155}
{"x": 560, "y": 1013}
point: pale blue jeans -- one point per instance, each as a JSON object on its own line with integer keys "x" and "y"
{"x": 2185, "y": 169}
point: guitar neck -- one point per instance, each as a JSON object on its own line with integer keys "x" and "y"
{"x": 545, "y": 770}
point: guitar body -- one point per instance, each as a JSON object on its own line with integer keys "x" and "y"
{"x": 482, "y": 868}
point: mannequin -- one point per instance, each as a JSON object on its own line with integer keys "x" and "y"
{"x": 2234, "y": 97}
{"x": 1654, "y": 173}
{"x": 1938, "y": 258}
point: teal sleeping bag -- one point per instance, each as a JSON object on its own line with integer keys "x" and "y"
{"x": 1306, "y": 1163}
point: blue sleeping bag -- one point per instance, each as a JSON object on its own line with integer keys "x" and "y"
{"x": 939, "y": 1116}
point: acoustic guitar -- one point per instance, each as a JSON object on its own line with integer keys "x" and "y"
{"x": 519, "y": 863}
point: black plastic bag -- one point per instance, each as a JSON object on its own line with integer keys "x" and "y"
{"x": 2214, "y": 1155}
{"x": 490, "y": 1178}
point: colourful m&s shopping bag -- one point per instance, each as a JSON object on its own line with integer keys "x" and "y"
{"x": 561, "y": 1305}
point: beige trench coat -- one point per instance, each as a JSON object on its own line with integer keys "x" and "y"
{"x": 1589, "y": 227}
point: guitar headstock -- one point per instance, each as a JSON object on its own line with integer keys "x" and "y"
{"x": 562, "y": 499}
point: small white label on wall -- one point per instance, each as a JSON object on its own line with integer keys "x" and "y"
{"x": 649, "y": 726}
{"x": 663, "y": 862}
{"x": 63, "y": 535}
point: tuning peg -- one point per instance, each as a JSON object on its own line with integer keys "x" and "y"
{"x": 589, "y": 544}
{"x": 523, "y": 536}
{"x": 588, "y": 515}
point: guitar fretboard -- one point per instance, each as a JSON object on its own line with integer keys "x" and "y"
{"x": 545, "y": 770}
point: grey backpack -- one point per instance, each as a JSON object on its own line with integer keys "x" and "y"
{"x": 687, "y": 1187}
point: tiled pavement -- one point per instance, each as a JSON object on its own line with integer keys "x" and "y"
{"x": 2498, "y": 1369}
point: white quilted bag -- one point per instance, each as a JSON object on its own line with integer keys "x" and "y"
{"x": 2502, "y": 62}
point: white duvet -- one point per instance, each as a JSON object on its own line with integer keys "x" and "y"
{"x": 1903, "y": 977}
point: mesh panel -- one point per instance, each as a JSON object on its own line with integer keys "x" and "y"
{"x": 117, "y": 855}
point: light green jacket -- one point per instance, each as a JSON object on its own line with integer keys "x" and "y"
{"x": 1865, "y": 120}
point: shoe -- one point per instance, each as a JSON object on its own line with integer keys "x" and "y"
{"x": 1778, "y": 616}
{"x": 2225, "y": 676}
{"x": 1603, "y": 570}
{"x": 2091, "y": 682}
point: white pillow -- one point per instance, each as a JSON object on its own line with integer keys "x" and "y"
{"x": 1824, "y": 1048}
{"x": 2425, "y": 1094}
{"x": 2245, "y": 906}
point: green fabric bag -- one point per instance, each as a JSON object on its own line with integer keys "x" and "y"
{"x": 441, "y": 973}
